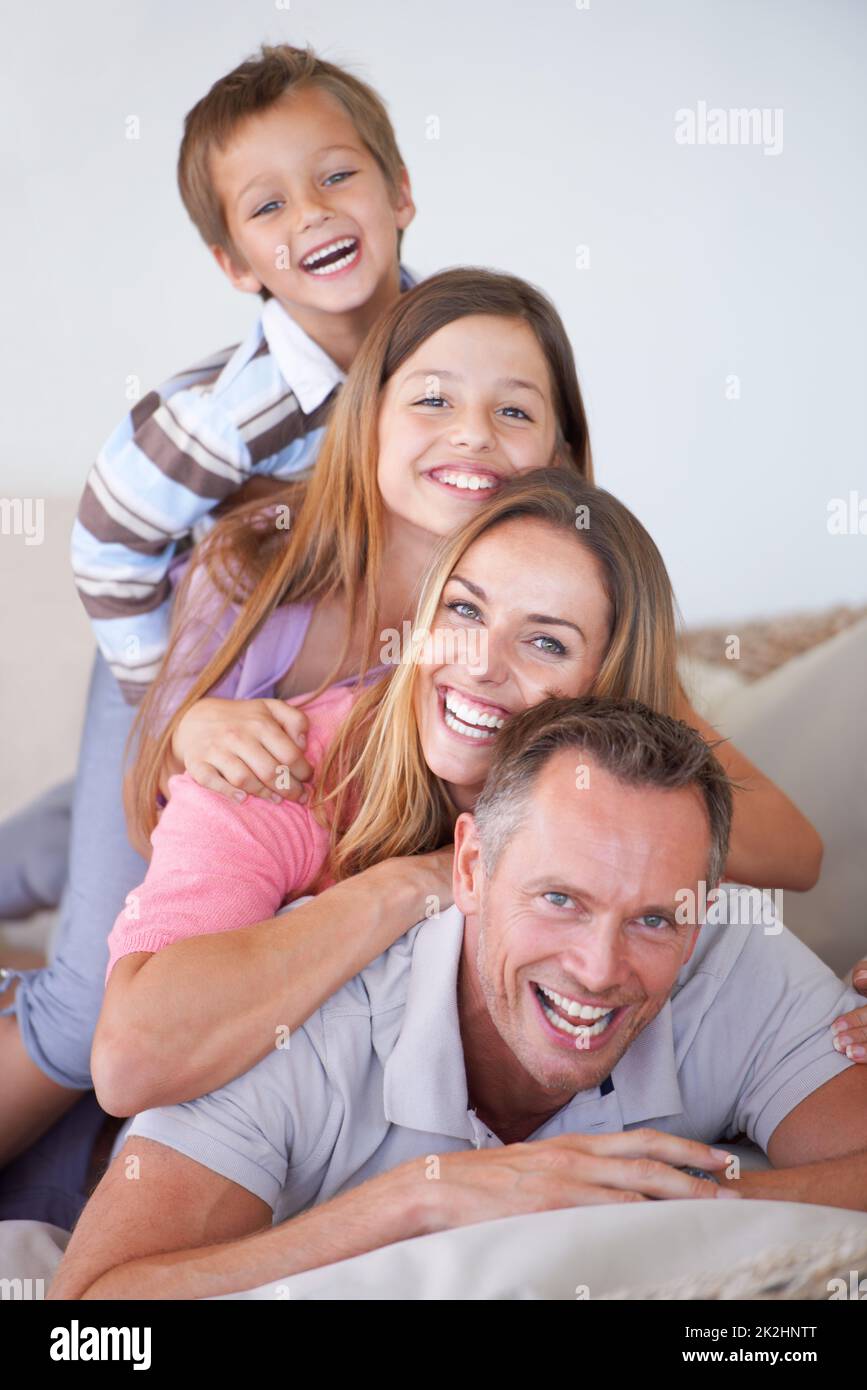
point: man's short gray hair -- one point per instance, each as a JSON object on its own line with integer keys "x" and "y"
{"x": 626, "y": 739}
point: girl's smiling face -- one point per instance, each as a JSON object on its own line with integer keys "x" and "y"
{"x": 536, "y": 598}
{"x": 468, "y": 409}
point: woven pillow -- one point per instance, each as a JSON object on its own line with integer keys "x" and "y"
{"x": 767, "y": 643}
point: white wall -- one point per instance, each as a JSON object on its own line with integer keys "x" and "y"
{"x": 556, "y": 130}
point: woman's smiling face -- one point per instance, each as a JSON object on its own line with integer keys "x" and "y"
{"x": 530, "y": 598}
{"x": 468, "y": 409}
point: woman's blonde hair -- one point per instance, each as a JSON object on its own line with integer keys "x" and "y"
{"x": 334, "y": 543}
{"x": 380, "y": 797}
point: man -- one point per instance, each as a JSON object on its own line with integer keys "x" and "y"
{"x": 564, "y": 1000}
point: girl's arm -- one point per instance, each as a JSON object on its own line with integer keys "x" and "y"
{"x": 209, "y": 979}
{"x": 772, "y": 844}
{"x": 239, "y": 746}
{"x": 233, "y": 747}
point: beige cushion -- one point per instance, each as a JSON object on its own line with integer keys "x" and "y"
{"x": 804, "y": 726}
{"x": 559, "y": 1254}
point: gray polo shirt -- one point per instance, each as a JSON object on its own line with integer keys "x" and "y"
{"x": 376, "y": 1076}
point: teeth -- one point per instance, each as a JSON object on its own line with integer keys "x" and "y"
{"x": 573, "y": 1008}
{"x": 476, "y": 482}
{"x": 469, "y": 715}
{"x": 330, "y": 269}
{"x": 583, "y": 1033}
{"x": 460, "y": 728}
{"x": 312, "y": 261}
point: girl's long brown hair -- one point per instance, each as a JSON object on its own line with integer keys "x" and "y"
{"x": 335, "y": 539}
{"x": 380, "y": 798}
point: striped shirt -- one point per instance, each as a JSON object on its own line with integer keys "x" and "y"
{"x": 255, "y": 410}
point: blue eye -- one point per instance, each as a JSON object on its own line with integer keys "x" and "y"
{"x": 342, "y": 174}
{"x": 561, "y": 898}
{"x": 431, "y": 400}
{"x": 457, "y": 604}
{"x": 652, "y": 918}
{"x": 517, "y": 408}
{"x": 274, "y": 203}
{"x": 556, "y": 647}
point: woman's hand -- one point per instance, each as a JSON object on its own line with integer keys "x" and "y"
{"x": 237, "y": 747}
{"x": 850, "y": 1030}
{"x": 422, "y": 883}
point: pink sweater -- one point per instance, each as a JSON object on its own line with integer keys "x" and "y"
{"x": 219, "y": 864}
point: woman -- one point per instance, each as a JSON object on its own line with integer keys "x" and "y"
{"x": 202, "y": 975}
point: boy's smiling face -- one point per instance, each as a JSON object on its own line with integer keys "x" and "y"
{"x": 294, "y": 179}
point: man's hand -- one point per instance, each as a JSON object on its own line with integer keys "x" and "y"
{"x": 850, "y": 1030}
{"x": 569, "y": 1171}
{"x": 237, "y": 747}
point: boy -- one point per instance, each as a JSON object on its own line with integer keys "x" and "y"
{"x": 290, "y": 170}
{"x": 291, "y": 173}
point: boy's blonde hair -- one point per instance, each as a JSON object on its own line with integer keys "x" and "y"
{"x": 253, "y": 86}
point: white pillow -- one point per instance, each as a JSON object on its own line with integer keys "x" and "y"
{"x": 805, "y": 726}
{"x": 560, "y": 1254}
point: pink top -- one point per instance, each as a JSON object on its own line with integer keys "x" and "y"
{"x": 220, "y": 864}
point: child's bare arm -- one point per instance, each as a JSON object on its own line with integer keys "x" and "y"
{"x": 237, "y": 747}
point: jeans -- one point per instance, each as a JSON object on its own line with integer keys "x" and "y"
{"x": 34, "y": 854}
{"x": 58, "y": 1004}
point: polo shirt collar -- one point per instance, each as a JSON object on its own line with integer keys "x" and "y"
{"x": 425, "y": 1079}
{"x": 645, "y": 1079}
{"x": 303, "y": 364}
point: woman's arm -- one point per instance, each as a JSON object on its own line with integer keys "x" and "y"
{"x": 211, "y": 979}
{"x": 772, "y": 844}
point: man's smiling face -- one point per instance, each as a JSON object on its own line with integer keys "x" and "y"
{"x": 574, "y": 938}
